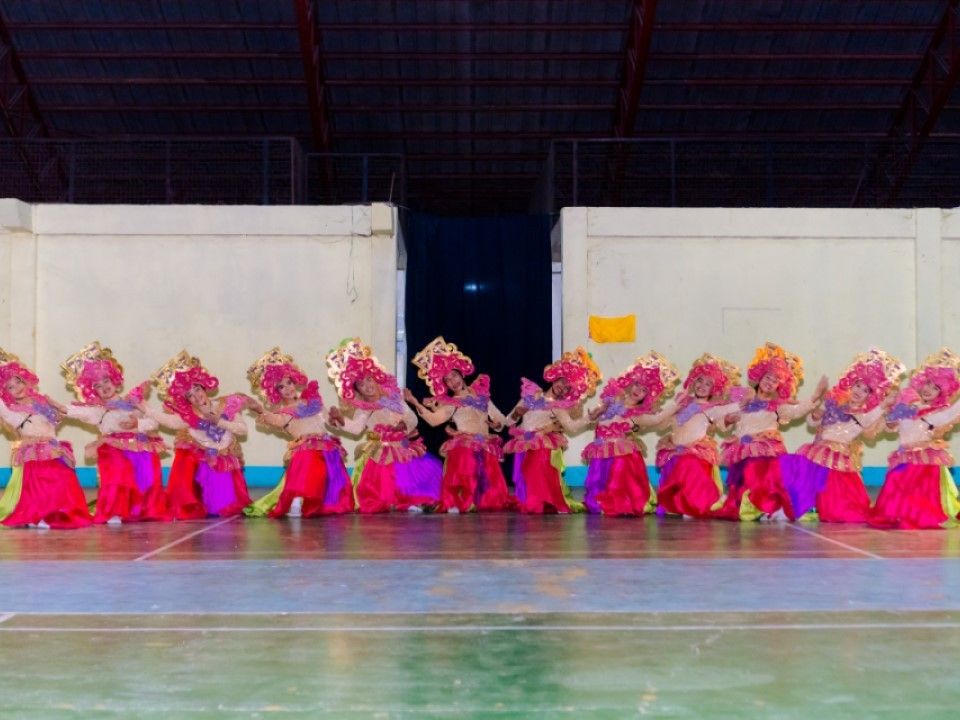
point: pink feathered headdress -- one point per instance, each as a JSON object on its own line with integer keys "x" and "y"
{"x": 10, "y": 367}
{"x": 87, "y": 366}
{"x": 723, "y": 373}
{"x": 786, "y": 367}
{"x": 438, "y": 359}
{"x": 653, "y": 372}
{"x": 94, "y": 370}
{"x": 177, "y": 377}
{"x": 578, "y": 369}
{"x": 942, "y": 370}
{"x": 352, "y": 361}
{"x": 267, "y": 373}
{"x": 875, "y": 369}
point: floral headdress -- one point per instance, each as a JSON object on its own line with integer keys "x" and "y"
{"x": 725, "y": 375}
{"x": 175, "y": 379}
{"x": 267, "y": 372}
{"x": 88, "y": 365}
{"x": 875, "y": 369}
{"x": 351, "y": 361}
{"x": 943, "y": 369}
{"x": 785, "y": 366}
{"x": 436, "y": 360}
{"x": 10, "y": 366}
{"x": 578, "y": 368}
{"x": 651, "y": 371}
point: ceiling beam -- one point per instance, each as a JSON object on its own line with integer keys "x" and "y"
{"x": 313, "y": 71}
{"x": 637, "y": 50}
{"x": 926, "y": 97}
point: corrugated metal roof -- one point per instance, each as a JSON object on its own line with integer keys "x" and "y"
{"x": 472, "y": 91}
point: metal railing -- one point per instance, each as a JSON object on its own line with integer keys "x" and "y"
{"x": 217, "y": 171}
{"x": 675, "y": 172}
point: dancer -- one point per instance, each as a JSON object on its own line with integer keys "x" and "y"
{"x": 755, "y": 487}
{"x": 43, "y": 490}
{"x": 919, "y": 491}
{"x": 687, "y": 457}
{"x": 393, "y": 469}
{"x": 472, "y": 477}
{"x": 617, "y": 481}
{"x": 207, "y": 473}
{"x": 538, "y": 443}
{"x": 315, "y": 480}
{"x": 128, "y": 449}
{"x": 825, "y": 474}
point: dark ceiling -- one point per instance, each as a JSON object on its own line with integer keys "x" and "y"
{"x": 472, "y": 92}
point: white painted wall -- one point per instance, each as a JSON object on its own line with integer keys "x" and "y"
{"x": 226, "y": 283}
{"x": 825, "y": 284}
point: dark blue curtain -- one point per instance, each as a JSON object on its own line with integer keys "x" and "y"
{"x": 484, "y": 284}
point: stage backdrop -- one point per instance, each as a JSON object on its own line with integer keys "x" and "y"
{"x": 484, "y": 284}
{"x": 825, "y": 284}
{"x": 226, "y": 283}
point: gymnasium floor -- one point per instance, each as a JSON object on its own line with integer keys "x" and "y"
{"x": 497, "y": 616}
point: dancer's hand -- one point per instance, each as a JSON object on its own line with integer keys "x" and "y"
{"x": 409, "y": 397}
{"x": 128, "y": 423}
{"x": 821, "y": 389}
{"x": 598, "y": 410}
{"x": 335, "y": 417}
{"x": 732, "y": 419}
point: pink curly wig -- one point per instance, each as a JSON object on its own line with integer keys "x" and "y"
{"x": 777, "y": 367}
{"x": 441, "y": 365}
{"x": 181, "y": 385}
{"x": 274, "y": 374}
{"x": 871, "y": 375}
{"x": 646, "y": 377}
{"x": 12, "y": 370}
{"x": 579, "y": 377}
{"x": 944, "y": 378}
{"x": 711, "y": 370}
{"x": 357, "y": 369}
{"x": 94, "y": 370}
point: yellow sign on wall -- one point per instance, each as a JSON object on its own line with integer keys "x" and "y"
{"x": 613, "y": 329}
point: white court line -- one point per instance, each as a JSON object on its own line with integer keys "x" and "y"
{"x": 835, "y": 542}
{"x": 5, "y": 617}
{"x": 494, "y": 628}
{"x": 185, "y": 538}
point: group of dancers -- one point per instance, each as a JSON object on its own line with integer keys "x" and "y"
{"x": 393, "y": 471}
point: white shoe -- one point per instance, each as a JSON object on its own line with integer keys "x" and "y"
{"x": 42, "y": 525}
{"x": 779, "y": 516}
{"x": 296, "y": 508}
{"x": 115, "y": 520}
{"x": 453, "y": 511}
{"x": 414, "y": 509}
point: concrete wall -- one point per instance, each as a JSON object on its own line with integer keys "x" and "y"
{"x": 226, "y": 283}
{"x": 825, "y": 284}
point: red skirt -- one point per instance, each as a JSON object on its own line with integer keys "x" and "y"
{"x": 473, "y": 479}
{"x": 380, "y": 490}
{"x": 537, "y": 483}
{"x": 308, "y": 477}
{"x": 50, "y": 493}
{"x": 618, "y": 485}
{"x": 688, "y": 487}
{"x": 758, "y": 480}
{"x": 911, "y": 498}
{"x": 120, "y": 494}
{"x": 182, "y": 489}
{"x": 843, "y": 498}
